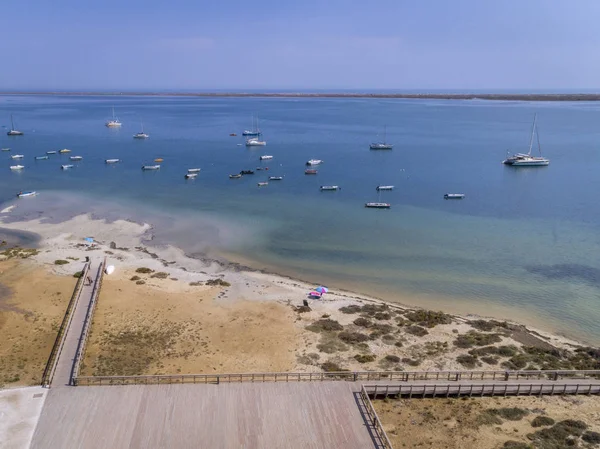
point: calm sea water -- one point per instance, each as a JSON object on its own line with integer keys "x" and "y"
{"x": 524, "y": 242}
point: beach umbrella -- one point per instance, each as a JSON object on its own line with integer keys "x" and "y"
{"x": 315, "y": 294}
{"x": 321, "y": 289}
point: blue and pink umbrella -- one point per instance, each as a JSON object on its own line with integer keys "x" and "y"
{"x": 321, "y": 289}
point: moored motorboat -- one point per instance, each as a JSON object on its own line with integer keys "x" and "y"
{"x": 255, "y": 142}
{"x": 17, "y": 156}
{"x": 5, "y": 149}
{"x": 158, "y": 159}
{"x": 314, "y": 162}
{"x": 41, "y": 158}
{"x": 262, "y": 184}
{"x": 75, "y": 158}
{"x": 66, "y": 166}
{"x": 378, "y": 188}
{"x": 232, "y": 134}
{"x": 150, "y": 167}
{"x": 454, "y": 196}
{"x": 51, "y": 152}
{"x": 275, "y": 178}
{"x": 247, "y": 172}
{"x": 190, "y": 175}
{"x": 112, "y": 161}
{"x": 26, "y": 194}
{"x": 266, "y": 157}
{"x": 236, "y": 176}
{"x": 194, "y": 170}
{"x": 310, "y": 171}
{"x": 17, "y": 167}
{"x": 322, "y": 188}
{"x": 378, "y": 205}
{"x": 64, "y": 150}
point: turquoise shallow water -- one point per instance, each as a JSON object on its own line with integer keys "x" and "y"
{"x": 523, "y": 240}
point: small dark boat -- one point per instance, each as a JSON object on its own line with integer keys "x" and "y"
{"x": 310, "y": 171}
{"x": 378, "y": 205}
{"x": 247, "y": 172}
{"x": 233, "y": 134}
{"x": 454, "y": 196}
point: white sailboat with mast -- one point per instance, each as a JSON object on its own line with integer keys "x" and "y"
{"x": 13, "y": 131}
{"x": 382, "y": 145}
{"x": 114, "y": 122}
{"x": 527, "y": 160}
{"x": 141, "y": 134}
{"x": 255, "y": 141}
{"x": 254, "y": 131}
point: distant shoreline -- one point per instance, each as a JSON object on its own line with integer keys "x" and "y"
{"x": 416, "y": 96}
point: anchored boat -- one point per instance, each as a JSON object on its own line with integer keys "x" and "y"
{"x": 236, "y": 176}
{"x": 262, "y": 184}
{"x": 266, "y": 158}
{"x": 322, "y": 188}
{"x": 382, "y": 145}
{"x": 41, "y": 158}
{"x": 310, "y": 171}
{"x": 112, "y": 161}
{"x": 194, "y": 170}
{"x": 17, "y": 167}
{"x": 378, "y": 188}
{"x": 275, "y": 178}
{"x": 191, "y": 175}
{"x": 63, "y": 151}
{"x": 527, "y": 160}
{"x": 76, "y": 158}
{"x": 247, "y": 172}
{"x": 13, "y": 131}
{"x": 378, "y": 205}
{"x": 114, "y": 122}
{"x": 314, "y": 162}
{"x": 150, "y": 167}
{"x": 51, "y": 152}
{"x": 454, "y": 196}
{"x": 66, "y": 166}
{"x": 26, "y": 194}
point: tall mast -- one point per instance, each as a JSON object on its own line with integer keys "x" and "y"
{"x": 537, "y": 135}
{"x": 532, "y": 132}
{"x": 12, "y": 124}
{"x": 384, "y": 133}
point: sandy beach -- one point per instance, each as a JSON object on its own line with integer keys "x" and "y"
{"x": 162, "y": 312}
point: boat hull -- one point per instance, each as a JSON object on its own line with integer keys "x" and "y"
{"x": 378, "y": 205}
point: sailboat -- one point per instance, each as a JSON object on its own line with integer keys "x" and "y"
{"x": 382, "y": 145}
{"x": 527, "y": 160}
{"x": 141, "y": 134}
{"x": 13, "y": 131}
{"x": 254, "y": 131}
{"x": 114, "y": 122}
{"x": 255, "y": 141}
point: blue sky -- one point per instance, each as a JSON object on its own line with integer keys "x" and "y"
{"x": 308, "y": 44}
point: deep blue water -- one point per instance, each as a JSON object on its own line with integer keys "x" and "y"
{"x": 523, "y": 240}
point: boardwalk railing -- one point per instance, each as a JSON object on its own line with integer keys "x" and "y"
{"x": 512, "y": 388}
{"x": 88, "y": 321}
{"x": 66, "y": 322}
{"x": 381, "y": 437}
{"x": 358, "y": 376}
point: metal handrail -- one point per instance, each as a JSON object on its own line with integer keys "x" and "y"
{"x": 357, "y": 376}
{"x": 60, "y": 336}
{"x": 374, "y": 420}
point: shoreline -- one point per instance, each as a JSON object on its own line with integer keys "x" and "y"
{"x": 406, "y": 96}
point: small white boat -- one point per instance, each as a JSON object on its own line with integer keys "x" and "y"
{"x": 51, "y": 152}
{"x": 262, "y": 184}
{"x": 194, "y": 170}
{"x": 141, "y": 134}
{"x": 17, "y": 167}
{"x": 275, "y": 178}
{"x": 378, "y": 188}
{"x": 64, "y": 150}
{"x": 150, "y": 167}
{"x": 314, "y": 162}
{"x": 191, "y": 175}
{"x": 236, "y": 176}
{"x": 41, "y": 158}
{"x": 255, "y": 142}
{"x": 454, "y": 196}
{"x": 5, "y": 149}
{"x": 26, "y": 194}
{"x": 266, "y": 157}
{"x": 17, "y": 156}
{"x": 76, "y": 158}
{"x": 110, "y": 269}
{"x": 66, "y": 166}
{"x": 322, "y": 188}
{"x": 112, "y": 161}
{"x": 378, "y": 205}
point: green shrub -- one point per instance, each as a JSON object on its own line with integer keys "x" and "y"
{"x": 467, "y": 360}
{"x": 160, "y": 275}
{"x": 144, "y": 270}
{"x": 135, "y": 278}
{"x": 591, "y": 437}
{"x": 557, "y": 436}
{"x": 325, "y": 325}
{"x": 417, "y": 330}
{"x": 218, "y": 282}
{"x": 474, "y": 338}
{"x": 392, "y": 358}
{"x": 428, "y": 318}
{"x": 352, "y": 337}
{"x": 331, "y": 367}
{"x": 516, "y": 362}
{"x": 349, "y": 310}
{"x": 140, "y": 282}
{"x": 486, "y": 418}
{"x": 362, "y": 322}
{"x": 78, "y": 274}
{"x": 510, "y": 413}
{"x": 541, "y": 421}
{"x": 490, "y": 360}
{"x": 515, "y": 445}
{"x": 61, "y": 262}
{"x": 364, "y": 358}
{"x": 411, "y": 362}
{"x": 382, "y": 316}
{"x": 329, "y": 344}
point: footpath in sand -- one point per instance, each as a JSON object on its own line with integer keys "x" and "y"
{"x": 20, "y": 409}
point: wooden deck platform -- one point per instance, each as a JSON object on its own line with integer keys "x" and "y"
{"x": 265, "y": 415}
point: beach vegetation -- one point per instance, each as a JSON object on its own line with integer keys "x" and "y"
{"x": 218, "y": 282}
{"x": 488, "y": 418}
{"x": 302, "y": 309}
{"x": 73, "y": 258}
{"x": 78, "y": 274}
{"x": 362, "y": 322}
{"x": 382, "y": 327}
{"x": 560, "y": 435}
{"x": 401, "y": 321}
{"x": 329, "y": 343}
{"x": 331, "y": 367}
{"x": 417, "y": 331}
{"x": 388, "y": 339}
{"x": 351, "y": 309}
{"x": 392, "y": 358}
{"x": 140, "y": 282}
{"x": 196, "y": 284}
{"x": 134, "y": 278}
{"x": 511, "y": 444}
{"x": 468, "y": 360}
{"x": 542, "y": 421}
{"x": 352, "y": 337}
{"x": 487, "y": 325}
{"x": 411, "y": 362}
{"x": 160, "y": 275}
{"x": 518, "y": 361}
{"x": 382, "y": 316}
{"x": 19, "y": 253}
{"x": 489, "y": 360}
{"x": 369, "y": 310}
{"x": 474, "y": 338}
{"x": 510, "y": 413}
{"x": 325, "y": 325}
{"x": 364, "y": 358}
{"x": 434, "y": 348}
{"x": 428, "y": 318}
{"x": 308, "y": 359}
{"x": 504, "y": 351}
{"x": 144, "y": 270}
{"x": 591, "y": 437}
{"x": 61, "y": 262}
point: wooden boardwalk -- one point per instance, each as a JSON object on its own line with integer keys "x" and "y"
{"x": 65, "y": 364}
{"x": 265, "y": 415}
